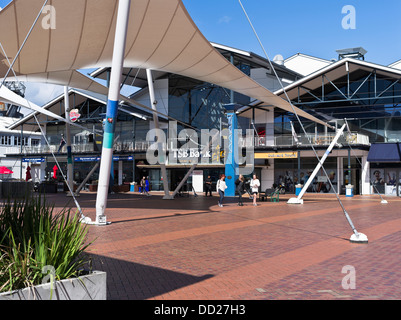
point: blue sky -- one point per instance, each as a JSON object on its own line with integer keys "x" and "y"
{"x": 312, "y": 27}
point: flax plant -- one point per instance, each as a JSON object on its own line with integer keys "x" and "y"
{"x": 32, "y": 236}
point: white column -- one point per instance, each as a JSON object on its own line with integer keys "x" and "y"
{"x": 365, "y": 175}
{"x": 70, "y": 166}
{"x": 120, "y": 173}
{"x": 162, "y": 160}
{"x": 112, "y": 107}
{"x": 340, "y": 173}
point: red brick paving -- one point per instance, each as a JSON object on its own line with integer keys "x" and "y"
{"x": 189, "y": 248}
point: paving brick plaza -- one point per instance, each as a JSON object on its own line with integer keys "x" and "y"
{"x": 191, "y": 249}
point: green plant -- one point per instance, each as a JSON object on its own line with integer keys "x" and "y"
{"x": 32, "y": 236}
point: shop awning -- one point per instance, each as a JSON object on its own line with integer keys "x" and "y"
{"x": 385, "y": 152}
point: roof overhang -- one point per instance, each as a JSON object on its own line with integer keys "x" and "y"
{"x": 56, "y": 107}
{"x": 336, "y": 71}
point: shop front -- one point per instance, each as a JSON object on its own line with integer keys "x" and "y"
{"x": 385, "y": 168}
{"x": 290, "y": 169}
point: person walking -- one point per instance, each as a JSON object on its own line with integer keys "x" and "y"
{"x": 240, "y": 188}
{"x": 208, "y": 186}
{"x": 221, "y": 188}
{"x": 144, "y": 186}
{"x": 255, "y": 184}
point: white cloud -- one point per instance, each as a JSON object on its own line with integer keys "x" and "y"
{"x": 40, "y": 93}
{"x": 225, "y": 19}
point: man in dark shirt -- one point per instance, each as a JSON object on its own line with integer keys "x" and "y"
{"x": 208, "y": 186}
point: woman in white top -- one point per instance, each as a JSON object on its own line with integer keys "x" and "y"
{"x": 221, "y": 188}
{"x": 255, "y": 184}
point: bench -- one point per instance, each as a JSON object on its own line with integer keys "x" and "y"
{"x": 265, "y": 195}
{"x": 274, "y": 197}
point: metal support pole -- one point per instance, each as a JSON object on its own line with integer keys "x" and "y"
{"x": 21, "y": 149}
{"x": 70, "y": 166}
{"x": 112, "y": 108}
{"x": 231, "y": 165}
{"x": 153, "y": 102}
{"x": 299, "y": 167}
{"x": 349, "y": 167}
{"x": 299, "y": 200}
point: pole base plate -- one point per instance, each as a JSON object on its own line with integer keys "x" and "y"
{"x": 360, "y": 238}
{"x": 295, "y": 201}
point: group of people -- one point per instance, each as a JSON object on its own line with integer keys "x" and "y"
{"x": 240, "y": 188}
{"x": 220, "y": 188}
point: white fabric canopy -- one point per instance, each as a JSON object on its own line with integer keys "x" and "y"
{"x": 161, "y": 36}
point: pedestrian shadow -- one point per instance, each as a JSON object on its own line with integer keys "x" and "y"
{"x": 127, "y": 280}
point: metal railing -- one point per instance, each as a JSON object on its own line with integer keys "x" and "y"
{"x": 316, "y": 139}
{"x": 244, "y": 142}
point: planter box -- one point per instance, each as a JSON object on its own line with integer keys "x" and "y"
{"x": 87, "y": 287}
{"x": 15, "y": 189}
{"x": 47, "y": 188}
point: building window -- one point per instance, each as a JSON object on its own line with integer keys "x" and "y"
{"x": 18, "y": 141}
{"x": 35, "y": 142}
{"x": 6, "y": 140}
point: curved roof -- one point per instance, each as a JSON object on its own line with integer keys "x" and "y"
{"x": 161, "y": 36}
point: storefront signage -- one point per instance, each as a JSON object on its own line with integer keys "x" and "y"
{"x": 190, "y": 153}
{"x": 277, "y": 155}
{"x": 123, "y": 158}
{"x": 86, "y": 159}
{"x": 91, "y": 159}
{"x": 33, "y": 160}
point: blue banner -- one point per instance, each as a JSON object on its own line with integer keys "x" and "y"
{"x": 33, "y": 160}
{"x": 91, "y": 159}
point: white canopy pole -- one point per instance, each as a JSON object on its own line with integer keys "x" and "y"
{"x": 153, "y": 102}
{"x": 299, "y": 199}
{"x": 112, "y": 107}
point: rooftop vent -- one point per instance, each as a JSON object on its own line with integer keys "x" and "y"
{"x": 356, "y": 53}
{"x": 279, "y": 59}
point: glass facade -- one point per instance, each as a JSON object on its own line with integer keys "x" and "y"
{"x": 371, "y": 104}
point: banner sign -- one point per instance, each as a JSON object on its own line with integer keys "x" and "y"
{"x": 91, "y": 159}
{"x": 33, "y": 160}
{"x": 277, "y": 155}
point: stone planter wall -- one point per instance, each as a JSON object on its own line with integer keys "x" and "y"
{"x": 88, "y": 287}
{"x": 15, "y": 189}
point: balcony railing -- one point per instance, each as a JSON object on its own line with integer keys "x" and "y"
{"x": 316, "y": 140}
{"x": 142, "y": 146}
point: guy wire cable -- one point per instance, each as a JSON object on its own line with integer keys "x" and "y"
{"x": 61, "y": 171}
{"x": 83, "y": 218}
{"x": 23, "y": 43}
{"x": 303, "y": 129}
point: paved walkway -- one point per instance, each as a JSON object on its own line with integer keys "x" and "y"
{"x": 190, "y": 248}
